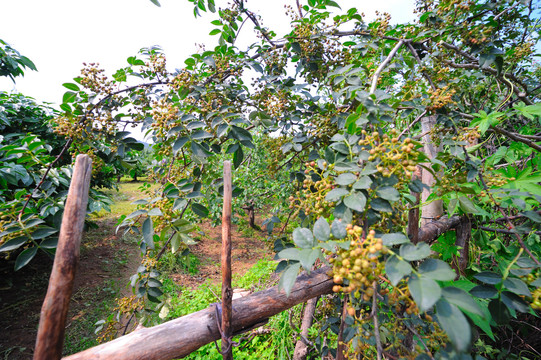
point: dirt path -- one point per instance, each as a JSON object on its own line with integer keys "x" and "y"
{"x": 105, "y": 262}
{"x": 246, "y": 251}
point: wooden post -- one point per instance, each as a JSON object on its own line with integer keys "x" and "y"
{"x": 55, "y": 306}
{"x": 227, "y": 292}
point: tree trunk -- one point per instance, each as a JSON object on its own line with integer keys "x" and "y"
{"x": 178, "y": 338}
{"x": 433, "y": 210}
{"x": 463, "y": 237}
{"x": 413, "y": 214}
{"x": 301, "y": 348}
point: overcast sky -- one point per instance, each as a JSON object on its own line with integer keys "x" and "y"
{"x": 59, "y": 35}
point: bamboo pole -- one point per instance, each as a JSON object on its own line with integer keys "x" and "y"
{"x": 55, "y": 306}
{"x": 227, "y": 292}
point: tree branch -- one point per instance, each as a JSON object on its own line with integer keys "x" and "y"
{"x": 383, "y": 65}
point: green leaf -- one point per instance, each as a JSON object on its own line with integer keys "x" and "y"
{"x": 532, "y": 215}
{"x": 455, "y": 324}
{"x": 322, "y": 231}
{"x": 71, "y": 86}
{"x": 489, "y": 277}
{"x": 200, "y": 210}
{"x": 336, "y": 194}
{"x": 396, "y": 269}
{"x": 355, "y": 201}
{"x": 467, "y": 206}
{"x": 155, "y": 212}
{"x": 412, "y": 252}
{"x": 199, "y": 150}
{"x": 43, "y": 232}
{"x": 24, "y": 257}
{"x": 462, "y": 299}
{"x": 529, "y": 111}
{"x": 517, "y": 286}
{"x": 499, "y": 311}
{"x": 14, "y": 243}
{"x": 346, "y": 179}
{"x": 363, "y": 183}
{"x": 484, "y": 291}
{"x": 215, "y": 32}
{"x": 338, "y": 229}
{"x": 201, "y": 134}
{"x": 238, "y": 156}
{"x": 303, "y": 238}
{"x": 290, "y": 254}
{"x": 437, "y": 270}
{"x": 69, "y": 97}
{"x": 381, "y": 205}
{"x": 394, "y": 239}
{"x": 148, "y": 233}
{"x": 156, "y": 2}
{"x": 288, "y": 278}
{"x": 175, "y": 242}
{"x": 513, "y": 301}
{"x": 425, "y": 291}
{"x": 388, "y": 193}
{"x": 308, "y": 257}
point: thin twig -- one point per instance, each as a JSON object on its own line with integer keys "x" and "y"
{"x": 502, "y": 231}
{"x": 374, "y": 314}
{"x": 420, "y": 339}
{"x": 416, "y": 56}
{"x": 412, "y": 123}
{"x": 515, "y": 137}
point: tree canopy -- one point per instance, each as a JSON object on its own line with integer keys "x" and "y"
{"x": 405, "y": 156}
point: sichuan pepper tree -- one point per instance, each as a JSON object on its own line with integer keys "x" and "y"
{"x": 364, "y": 113}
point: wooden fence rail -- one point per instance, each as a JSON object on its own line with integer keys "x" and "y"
{"x": 178, "y": 338}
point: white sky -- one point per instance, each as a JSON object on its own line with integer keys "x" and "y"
{"x": 59, "y": 35}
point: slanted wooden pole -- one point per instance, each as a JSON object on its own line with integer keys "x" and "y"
{"x": 55, "y": 306}
{"x": 227, "y": 292}
{"x": 180, "y": 337}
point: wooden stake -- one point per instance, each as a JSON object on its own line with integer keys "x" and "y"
{"x": 227, "y": 292}
{"x": 55, "y": 306}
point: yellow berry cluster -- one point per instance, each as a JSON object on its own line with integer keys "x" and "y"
{"x": 440, "y": 98}
{"x": 157, "y": 65}
{"x": 360, "y": 264}
{"x": 125, "y": 306}
{"x": 312, "y": 198}
{"x": 395, "y": 156}
{"x": 276, "y": 102}
{"x": 536, "y": 299}
{"x": 183, "y": 79}
{"x": 382, "y": 23}
{"x": 165, "y": 116}
{"x": 93, "y": 78}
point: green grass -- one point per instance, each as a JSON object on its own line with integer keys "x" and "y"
{"x": 123, "y": 199}
{"x": 99, "y": 302}
{"x": 170, "y": 263}
{"x": 275, "y": 345}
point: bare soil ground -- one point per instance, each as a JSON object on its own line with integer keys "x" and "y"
{"x": 105, "y": 261}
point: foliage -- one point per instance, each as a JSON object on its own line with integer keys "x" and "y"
{"x": 12, "y": 63}
{"x": 346, "y": 101}
{"x": 35, "y": 171}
